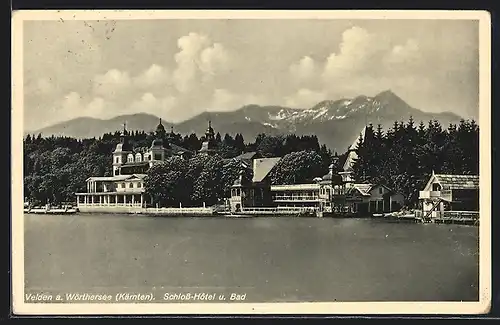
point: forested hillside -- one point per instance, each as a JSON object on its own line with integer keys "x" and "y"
{"x": 404, "y": 156}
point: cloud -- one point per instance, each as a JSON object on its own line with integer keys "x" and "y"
{"x": 358, "y": 51}
{"x": 91, "y": 107}
{"x": 214, "y": 59}
{"x": 228, "y": 64}
{"x": 403, "y": 57}
{"x": 43, "y": 87}
{"x": 112, "y": 84}
{"x": 149, "y": 103}
{"x": 304, "y": 98}
{"x": 225, "y": 100}
{"x": 98, "y": 107}
{"x": 152, "y": 77}
{"x": 187, "y": 60}
{"x": 303, "y": 71}
{"x": 367, "y": 63}
{"x": 71, "y": 101}
{"x": 199, "y": 60}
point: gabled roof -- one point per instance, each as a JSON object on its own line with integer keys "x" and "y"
{"x": 262, "y": 167}
{"x": 364, "y": 189}
{"x": 115, "y": 178}
{"x": 390, "y": 190}
{"x": 246, "y": 155}
{"x": 452, "y": 182}
{"x": 140, "y": 176}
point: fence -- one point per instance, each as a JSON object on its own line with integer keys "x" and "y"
{"x": 449, "y": 215}
{"x": 295, "y": 198}
{"x": 279, "y": 210}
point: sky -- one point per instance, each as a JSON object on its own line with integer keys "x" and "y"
{"x": 177, "y": 68}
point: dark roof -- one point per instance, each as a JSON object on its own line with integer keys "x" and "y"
{"x": 247, "y": 155}
{"x": 178, "y": 149}
{"x": 158, "y": 142}
{"x": 363, "y": 189}
{"x": 123, "y": 147}
{"x": 452, "y": 182}
{"x": 141, "y": 149}
{"x": 133, "y": 164}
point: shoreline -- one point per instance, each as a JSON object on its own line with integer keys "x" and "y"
{"x": 389, "y": 219}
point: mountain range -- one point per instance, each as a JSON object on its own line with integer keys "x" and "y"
{"x": 336, "y": 122}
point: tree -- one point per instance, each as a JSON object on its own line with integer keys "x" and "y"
{"x": 297, "y": 167}
{"x": 270, "y": 146}
{"x": 165, "y": 182}
{"x": 207, "y": 188}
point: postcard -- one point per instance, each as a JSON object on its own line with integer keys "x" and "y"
{"x": 251, "y": 162}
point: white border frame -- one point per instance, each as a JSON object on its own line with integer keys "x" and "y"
{"x": 339, "y": 308}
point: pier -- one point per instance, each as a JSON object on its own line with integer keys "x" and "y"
{"x": 276, "y": 211}
{"x": 449, "y": 217}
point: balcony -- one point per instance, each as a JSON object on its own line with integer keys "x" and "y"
{"x": 296, "y": 198}
{"x": 444, "y": 194}
{"x": 136, "y": 190}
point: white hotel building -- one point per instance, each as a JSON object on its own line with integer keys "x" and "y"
{"x": 125, "y": 189}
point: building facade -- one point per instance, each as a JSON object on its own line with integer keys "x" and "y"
{"x": 444, "y": 192}
{"x": 335, "y": 193}
{"x": 125, "y": 189}
{"x": 209, "y": 145}
{"x": 253, "y": 187}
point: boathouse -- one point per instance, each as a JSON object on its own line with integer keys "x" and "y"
{"x": 446, "y": 194}
{"x": 252, "y": 188}
{"x": 376, "y": 198}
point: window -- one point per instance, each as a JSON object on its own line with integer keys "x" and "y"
{"x": 131, "y": 185}
{"x": 138, "y": 157}
{"x": 123, "y": 185}
{"x": 380, "y": 190}
{"x": 117, "y": 172}
{"x": 157, "y": 156}
{"x": 139, "y": 185}
{"x": 117, "y": 160}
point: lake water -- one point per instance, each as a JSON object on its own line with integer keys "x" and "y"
{"x": 268, "y": 259}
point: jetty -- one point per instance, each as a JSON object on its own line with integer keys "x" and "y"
{"x": 38, "y": 210}
{"x": 192, "y": 212}
{"x": 273, "y": 211}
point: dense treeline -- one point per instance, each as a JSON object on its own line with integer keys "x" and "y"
{"x": 200, "y": 180}
{"x": 57, "y": 167}
{"x": 404, "y": 156}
